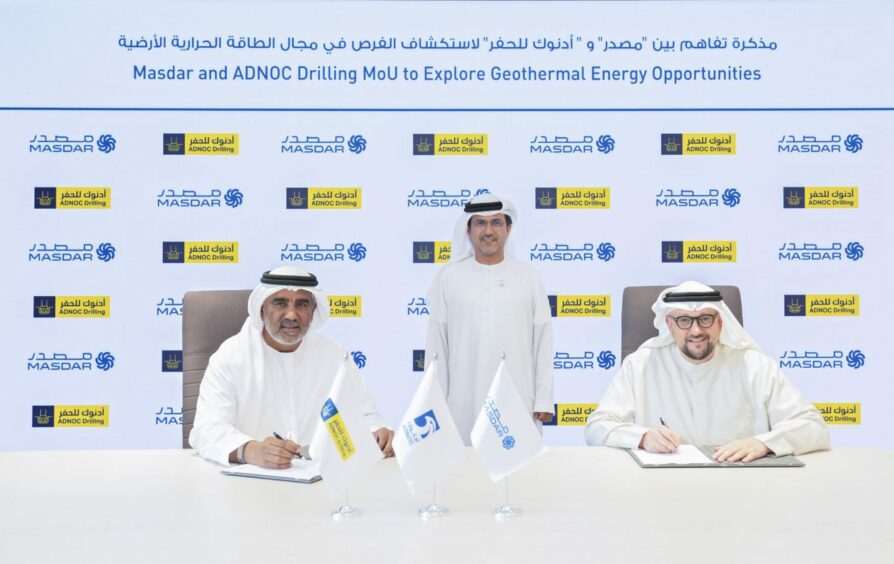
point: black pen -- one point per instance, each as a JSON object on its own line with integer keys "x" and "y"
{"x": 661, "y": 419}
{"x": 277, "y": 436}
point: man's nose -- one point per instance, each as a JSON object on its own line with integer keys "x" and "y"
{"x": 696, "y": 329}
{"x": 291, "y": 313}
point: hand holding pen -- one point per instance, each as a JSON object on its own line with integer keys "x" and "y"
{"x": 660, "y": 439}
{"x": 287, "y": 445}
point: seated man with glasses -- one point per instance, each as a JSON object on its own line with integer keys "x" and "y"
{"x": 704, "y": 381}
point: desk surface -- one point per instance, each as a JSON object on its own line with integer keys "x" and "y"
{"x": 580, "y": 505}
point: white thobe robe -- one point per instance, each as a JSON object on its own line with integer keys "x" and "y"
{"x": 479, "y": 312}
{"x": 735, "y": 395}
{"x": 250, "y": 391}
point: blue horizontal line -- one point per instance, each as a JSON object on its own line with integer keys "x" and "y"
{"x": 410, "y": 110}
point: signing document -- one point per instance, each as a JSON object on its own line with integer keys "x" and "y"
{"x": 302, "y": 471}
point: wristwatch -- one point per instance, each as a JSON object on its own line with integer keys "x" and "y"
{"x": 239, "y": 452}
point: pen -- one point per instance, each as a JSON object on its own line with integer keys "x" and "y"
{"x": 661, "y": 419}
{"x": 278, "y": 436}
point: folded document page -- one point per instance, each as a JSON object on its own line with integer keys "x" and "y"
{"x": 686, "y": 454}
{"x": 691, "y": 456}
{"x": 302, "y": 471}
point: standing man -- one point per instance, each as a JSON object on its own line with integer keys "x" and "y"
{"x": 273, "y": 377}
{"x": 704, "y": 381}
{"x": 485, "y": 304}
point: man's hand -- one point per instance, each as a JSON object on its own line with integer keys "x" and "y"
{"x": 543, "y": 416}
{"x": 383, "y": 437}
{"x": 660, "y": 439}
{"x": 744, "y": 450}
{"x": 272, "y": 453}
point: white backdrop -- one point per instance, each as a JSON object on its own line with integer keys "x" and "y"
{"x": 78, "y": 110}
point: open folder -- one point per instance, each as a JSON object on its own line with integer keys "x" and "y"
{"x": 691, "y": 456}
{"x": 302, "y": 471}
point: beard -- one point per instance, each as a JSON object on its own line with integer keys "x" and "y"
{"x": 282, "y": 339}
{"x": 698, "y": 355}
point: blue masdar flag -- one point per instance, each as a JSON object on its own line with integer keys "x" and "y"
{"x": 505, "y": 435}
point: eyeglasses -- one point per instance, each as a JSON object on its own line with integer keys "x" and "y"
{"x": 495, "y": 223}
{"x": 705, "y": 321}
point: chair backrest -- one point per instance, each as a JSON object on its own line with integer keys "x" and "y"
{"x": 637, "y": 317}
{"x": 209, "y": 319}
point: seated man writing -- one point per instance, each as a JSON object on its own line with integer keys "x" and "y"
{"x": 273, "y": 377}
{"x": 704, "y": 381}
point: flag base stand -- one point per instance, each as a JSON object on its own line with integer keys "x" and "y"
{"x": 433, "y": 511}
{"x": 346, "y": 512}
{"x": 506, "y": 512}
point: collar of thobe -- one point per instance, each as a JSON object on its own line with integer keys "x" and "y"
{"x": 694, "y": 371}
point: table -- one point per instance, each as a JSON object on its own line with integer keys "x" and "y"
{"x": 581, "y": 504}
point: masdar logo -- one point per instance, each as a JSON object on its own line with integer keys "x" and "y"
{"x": 807, "y": 144}
{"x": 421, "y": 427}
{"x": 43, "y": 143}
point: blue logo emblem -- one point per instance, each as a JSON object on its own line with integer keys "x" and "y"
{"x": 106, "y": 143}
{"x": 423, "y": 143}
{"x": 854, "y": 251}
{"x": 508, "y": 442}
{"x": 356, "y": 144}
{"x": 481, "y": 191}
{"x": 427, "y": 423}
{"x": 605, "y": 144}
{"x": 105, "y": 252}
{"x": 329, "y": 409}
{"x": 606, "y": 360}
{"x": 853, "y": 143}
{"x": 418, "y": 360}
{"x": 359, "y": 358}
{"x": 731, "y": 197}
{"x": 605, "y": 251}
{"x": 233, "y": 197}
{"x": 421, "y": 428}
{"x": 856, "y": 359}
{"x": 795, "y": 305}
{"x": 296, "y": 198}
{"x": 173, "y": 252}
{"x": 356, "y": 252}
{"x": 43, "y": 415}
{"x": 172, "y": 361}
{"x": 105, "y": 361}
